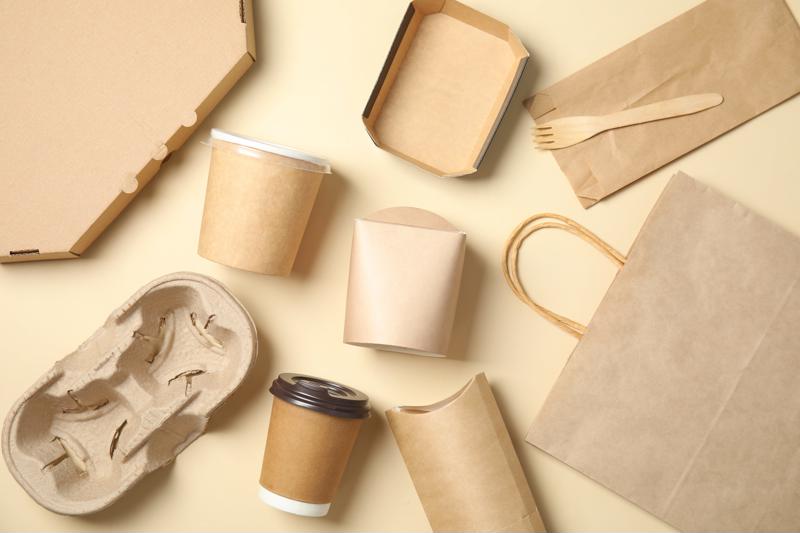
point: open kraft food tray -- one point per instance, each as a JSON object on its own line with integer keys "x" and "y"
{"x": 102, "y": 93}
{"x": 444, "y": 87}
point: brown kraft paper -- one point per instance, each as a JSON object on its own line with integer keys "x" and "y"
{"x": 306, "y": 452}
{"x": 405, "y": 277}
{"x": 746, "y": 50}
{"x": 683, "y": 393}
{"x": 463, "y": 464}
{"x": 256, "y": 209}
{"x": 444, "y": 87}
{"x": 152, "y": 70}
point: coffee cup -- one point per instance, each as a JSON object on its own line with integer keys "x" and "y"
{"x": 258, "y": 202}
{"x": 312, "y": 431}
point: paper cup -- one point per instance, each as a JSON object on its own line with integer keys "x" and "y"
{"x": 312, "y": 430}
{"x": 258, "y": 201}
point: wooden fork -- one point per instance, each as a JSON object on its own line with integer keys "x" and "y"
{"x": 563, "y": 132}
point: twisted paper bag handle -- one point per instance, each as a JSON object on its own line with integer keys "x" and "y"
{"x": 510, "y": 263}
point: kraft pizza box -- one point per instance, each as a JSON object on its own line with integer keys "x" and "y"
{"x": 102, "y": 94}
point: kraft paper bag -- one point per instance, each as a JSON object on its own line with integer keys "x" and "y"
{"x": 463, "y": 464}
{"x": 405, "y": 277}
{"x": 746, "y": 50}
{"x": 683, "y": 394}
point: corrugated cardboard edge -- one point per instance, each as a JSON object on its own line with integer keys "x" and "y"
{"x": 20, "y": 256}
{"x": 182, "y": 133}
{"x": 382, "y": 78}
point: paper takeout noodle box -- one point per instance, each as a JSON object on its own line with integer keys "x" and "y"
{"x": 463, "y": 464}
{"x": 258, "y": 202}
{"x": 102, "y": 94}
{"x": 444, "y": 87}
{"x": 405, "y": 276}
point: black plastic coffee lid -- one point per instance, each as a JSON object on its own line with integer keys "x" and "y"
{"x": 321, "y": 395}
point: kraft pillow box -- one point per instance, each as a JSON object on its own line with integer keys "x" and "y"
{"x": 463, "y": 464}
{"x": 131, "y": 397}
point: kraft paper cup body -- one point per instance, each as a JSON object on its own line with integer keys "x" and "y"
{"x": 405, "y": 277}
{"x": 258, "y": 201}
{"x": 305, "y": 457}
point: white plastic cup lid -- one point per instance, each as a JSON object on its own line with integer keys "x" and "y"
{"x": 278, "y": 149}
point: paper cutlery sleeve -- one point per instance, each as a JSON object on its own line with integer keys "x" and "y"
{"x": 746, "y": 50}
{"x": 405, "y": 276}
{"x": 463, "y": 464}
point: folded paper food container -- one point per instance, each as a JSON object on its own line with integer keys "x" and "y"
{"x": 405, "y": 276}
{"x": 312, "y": 430}
{"x": 90, "y": 116}
{"x": 444, "y": 87}
{"x": 132, "y": 396}
{"x": 258, "y": 201}
{"x": 463, "y": 464}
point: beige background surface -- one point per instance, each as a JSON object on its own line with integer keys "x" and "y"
{"x": 317, "y": 62}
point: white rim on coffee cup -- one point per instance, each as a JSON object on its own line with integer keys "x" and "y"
{"x": 292, "y": 506}
{"x": 278, "y": 149}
